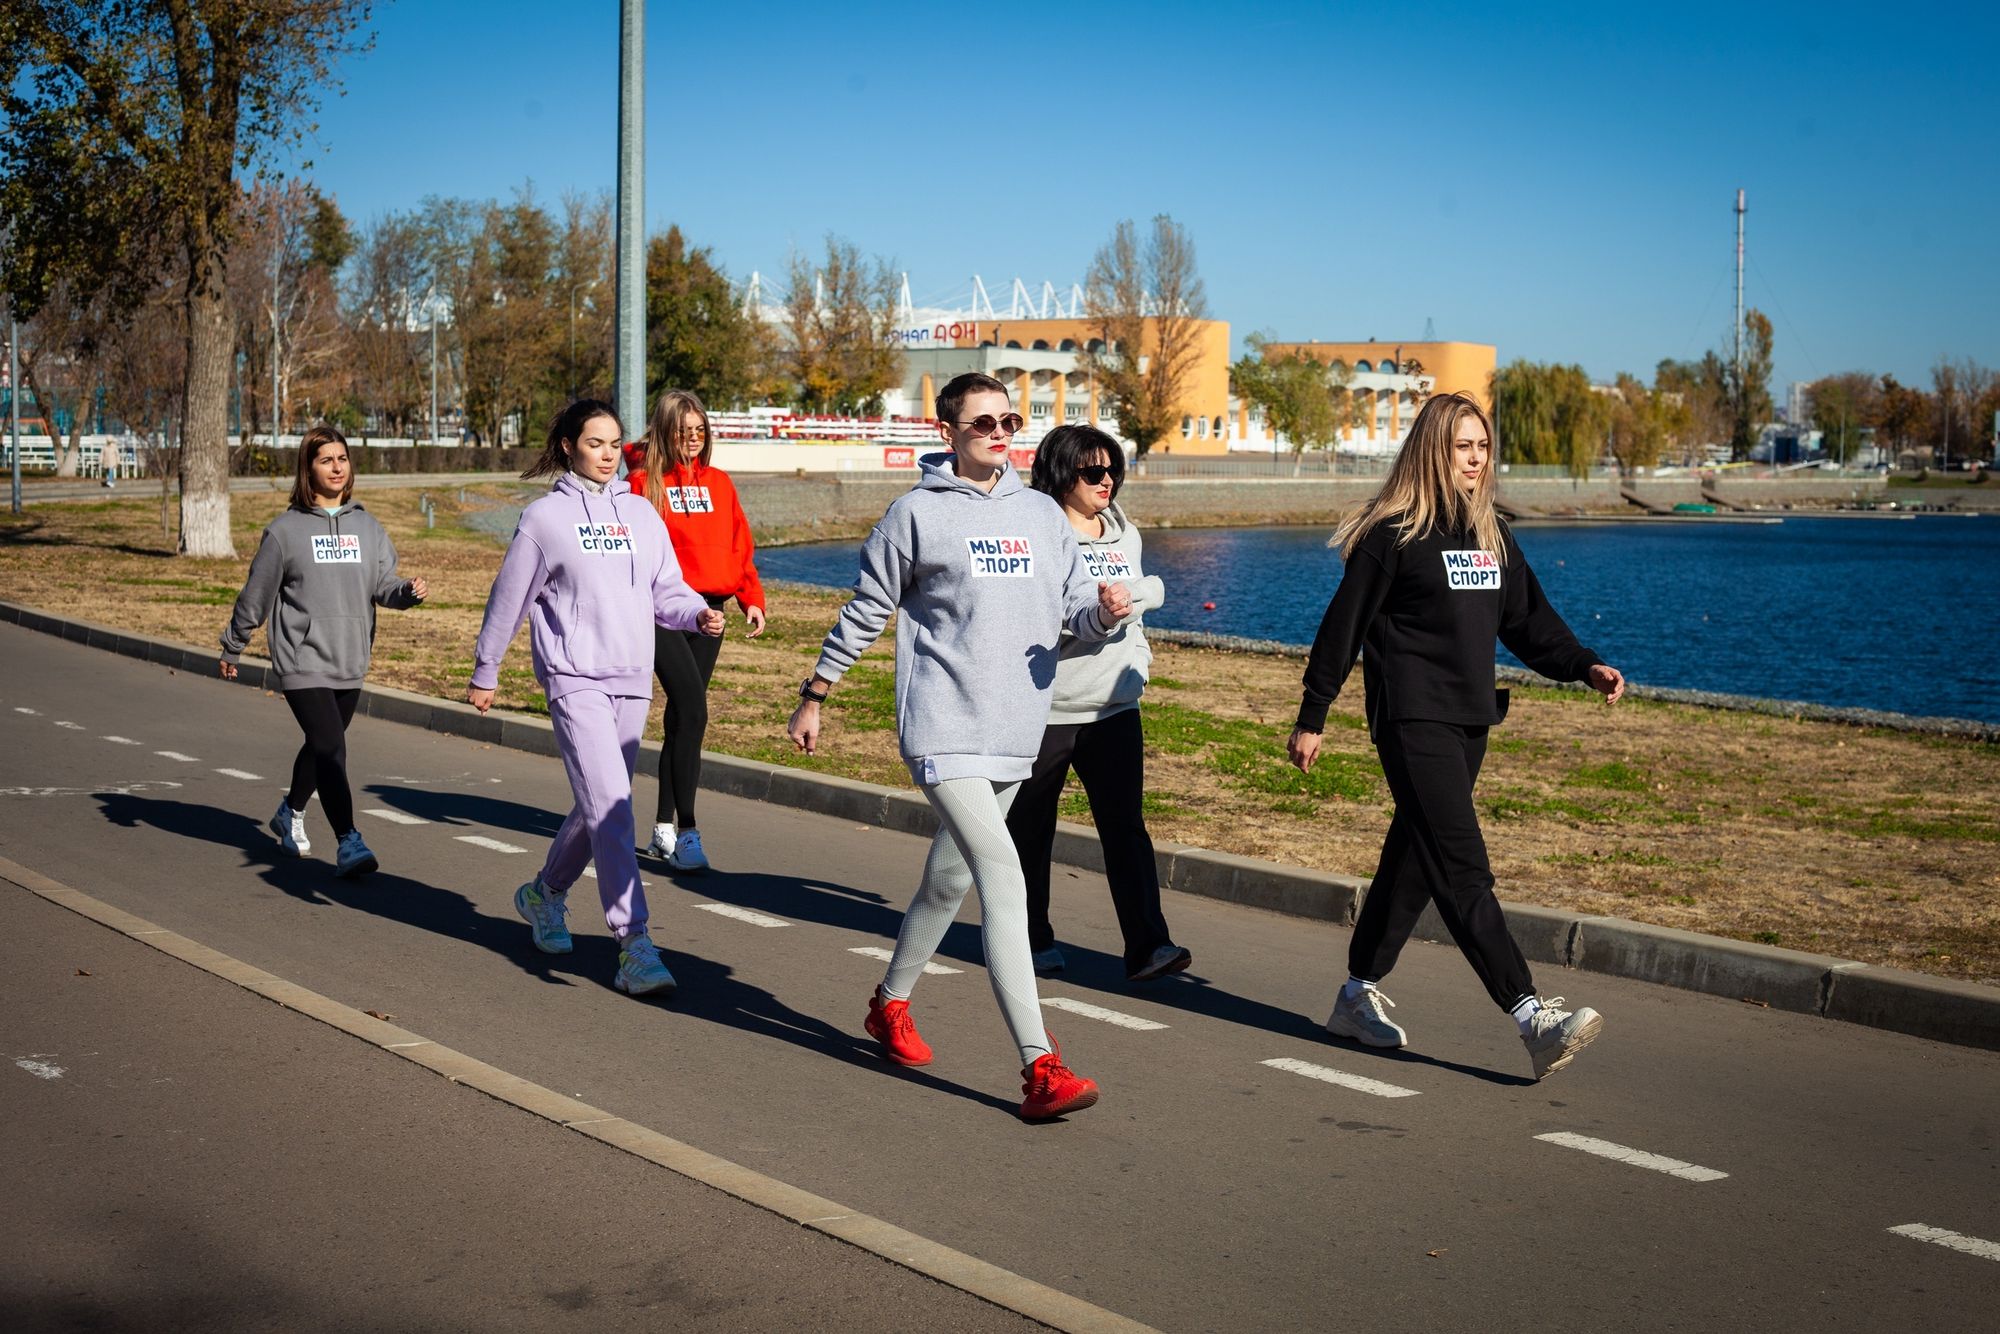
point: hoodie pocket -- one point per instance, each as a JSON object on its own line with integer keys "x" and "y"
{"x": 334, "y": 646}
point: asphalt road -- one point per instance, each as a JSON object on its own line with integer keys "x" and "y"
{"x": 1209, "y": 1189}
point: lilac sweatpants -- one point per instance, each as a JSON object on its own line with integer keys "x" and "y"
{"x": 598, "y": 736}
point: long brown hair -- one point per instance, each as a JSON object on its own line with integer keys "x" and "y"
{"x": 1419, "y": 493}
{"x": 567, "y": 429}
{"x": 665, "y": 429}
{"x": 303, "y": 496}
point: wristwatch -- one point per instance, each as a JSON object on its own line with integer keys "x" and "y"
{"x": 806, "y": 691}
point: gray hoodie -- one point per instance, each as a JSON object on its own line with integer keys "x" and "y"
{"x": 1096, "y": 680}
{"x": 982, "y": 585}
{"x": 317, "y": 578}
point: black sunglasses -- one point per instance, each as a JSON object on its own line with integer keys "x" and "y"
{"x": 987, "y": 424}
{"x": 1094, "y": 474}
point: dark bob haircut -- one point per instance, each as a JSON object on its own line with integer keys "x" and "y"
{"x": 310, "y": 444}
{"x": 952, "y": 397}
{"x": 1066, "y": 449}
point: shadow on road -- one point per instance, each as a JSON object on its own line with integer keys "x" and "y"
{"x": 708, "y": 990}
{"x": 469, "y": 808}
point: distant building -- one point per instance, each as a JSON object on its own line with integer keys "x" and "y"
{"x": 1391, "y": 379}
{"x": 1798, "y": 403}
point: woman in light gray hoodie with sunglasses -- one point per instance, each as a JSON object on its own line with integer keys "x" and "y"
{"x": 982, "y": 575}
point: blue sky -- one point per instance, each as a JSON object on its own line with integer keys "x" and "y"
{"x": 1558, "y": 183}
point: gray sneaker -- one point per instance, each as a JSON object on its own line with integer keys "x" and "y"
{"x": 1048, "y": 961}
{"x": 1558, "y": 1035}
{"x": 1166, "y": 959}
{"x": 1366, "y": 1020}
{"x": 640, "y": 972}
{"x": 543, "y": 912}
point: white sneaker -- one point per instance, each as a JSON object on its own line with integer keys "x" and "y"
{"x": 1048, "y": 961}
{"x": 1557, "y": 1035}
{"x": 687, "y": 854}
{"x": 640, "y": 971}
{"x": 1366, "y": 1020}
{"x": 543, "y": 912}
{"x": 290, "y": 827}
{"x": 662, "y": 844}
{"x": 354, "y": 858}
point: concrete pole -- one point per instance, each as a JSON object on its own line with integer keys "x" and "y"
{"x": 14, "y": 401}
{"x": 631, "y": 356}
{"x": 434, "y": 369}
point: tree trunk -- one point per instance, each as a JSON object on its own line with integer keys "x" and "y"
{"x": 205, "y": 434}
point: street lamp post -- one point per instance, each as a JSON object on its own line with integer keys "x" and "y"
{"x": 14, "y": 401}
{"x": 631, "y": 306}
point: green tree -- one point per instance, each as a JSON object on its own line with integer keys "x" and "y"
{"x": 1843, "y": 406}
{"x": 1748, "y": 387}
{"x": 697, "y": 336}
{"x": 1548, "y": 415}
{"x": 122, "y": 128}
{"x": 1304, "y": 399}
{"x": 513, "y": 322}
{"x": 1638, "y": 424}
{"x": 1148, "y": 303}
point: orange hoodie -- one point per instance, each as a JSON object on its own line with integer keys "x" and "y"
{"x": 710, "y": 534}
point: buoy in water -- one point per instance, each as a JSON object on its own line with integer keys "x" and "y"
{"x": 1208, "y": 606}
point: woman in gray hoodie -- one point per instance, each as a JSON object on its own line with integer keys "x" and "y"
{"x": 1094, "y": 723}
{"x": 982, "y": 575}
{"x": 321, "y": 569}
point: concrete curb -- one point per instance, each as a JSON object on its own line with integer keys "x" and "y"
{"x": 1965, "y": 1013}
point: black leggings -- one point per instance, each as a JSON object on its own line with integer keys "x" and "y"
{"x": 1435, "y": 853}
{"x": 684, "y": 660}
{"x": 321, "y": 765}
{"x": 1109, "y": 755}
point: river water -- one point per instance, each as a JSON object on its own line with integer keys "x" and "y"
{"x": 1869, "y": 613}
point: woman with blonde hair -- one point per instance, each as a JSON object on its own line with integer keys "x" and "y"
{"x": 711, "y": 538}
{"x": 1432, "y": 578}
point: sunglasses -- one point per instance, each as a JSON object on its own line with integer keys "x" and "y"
{"x": 1094, "y": 474}
{"x": 987, "y": 424}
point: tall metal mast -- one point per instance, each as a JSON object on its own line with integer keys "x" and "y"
{"x": 630, "y": 375}
{"x": 1739, "y": 287}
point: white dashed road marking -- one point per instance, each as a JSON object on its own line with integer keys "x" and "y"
{"x": 1089, "y": 1011}
{"x": 176, "y": 755}
{"x": 1673, "y": 1167}
{"x": 877, "y": 952}
{"x": 1328, "y": 1075}
{"x": 123, "y": 741}
{"x": 395, "y": 817}
{"x": 74, "y": 727}
{"x": 242, "y": 773}
{"x": 741, "y": 914}
{"x": 491, "y": 844}
{"x": 1957, "y": 1241}
{"x": 39, "y": 1069}
{"x": 30, "y": 712}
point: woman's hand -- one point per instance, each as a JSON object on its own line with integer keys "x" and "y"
{"x": 1302, "y": 749}
{"x": 710, "y": 623}
{"x": 1606, "y": 681}
{"x": 228, "y": 669}
{"x": 1114, "y": 600}
{"x": 804, "y": 727}
{"x": 754, "y": 615}
{"x": 479, "y": 698}
{"x": 419, "y": 589}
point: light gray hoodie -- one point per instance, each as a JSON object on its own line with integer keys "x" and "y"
{"x": 1098, "y": 679}
{"x": 317, "y": 578}
{"x": 981, "y": 585}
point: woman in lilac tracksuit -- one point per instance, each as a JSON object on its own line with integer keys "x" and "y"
{"x": 592, "y": 565}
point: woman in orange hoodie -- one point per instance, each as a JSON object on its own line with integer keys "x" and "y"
{"x": 712, "y": 542}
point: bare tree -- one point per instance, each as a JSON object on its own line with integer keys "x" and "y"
{"x": 1148, "y": 303}
{"x": 122, "y": 127}
{"x": 510, "y": 324}
{"x": 289, "y": 242}
{"x": 584, "y": 272}
{"x": 388, "y": 284}
{"x": 839, "y": 317}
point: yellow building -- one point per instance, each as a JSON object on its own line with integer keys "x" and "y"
{"x": 1393, "y": 376}
{"x": 1040, "y": 360}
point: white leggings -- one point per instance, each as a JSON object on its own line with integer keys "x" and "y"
{"x": 973, "y": 847}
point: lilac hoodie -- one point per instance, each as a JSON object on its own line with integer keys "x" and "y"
{"x": 594, "y": 569}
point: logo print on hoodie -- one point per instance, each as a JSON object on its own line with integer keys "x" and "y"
{"x": 1001, "y": 557}
{"x": 604, "y": 539}
{"x": 336, "y": 549}
{"x": 689, "y": 500}
{"x": 1470, "y": 570}
{"x": 1108, "y": 564}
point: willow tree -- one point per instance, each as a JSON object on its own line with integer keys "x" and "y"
{"x": 123, "y": 127}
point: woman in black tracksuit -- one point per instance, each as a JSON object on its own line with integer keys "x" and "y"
{"x": 1432, "y": 578}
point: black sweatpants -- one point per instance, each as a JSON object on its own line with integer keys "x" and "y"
{"x": 321, "y": 765}
{"x": 684, "y": 660}
{"x": 1109, "y": 755}
{"x": 1435, "y": 853}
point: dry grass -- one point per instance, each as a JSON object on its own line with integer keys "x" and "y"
{"x": 1876, "y": 846}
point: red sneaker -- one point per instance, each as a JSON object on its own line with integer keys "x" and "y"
{"x": 889, "y": 1023}
{"x": 1053, "y": 1089}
